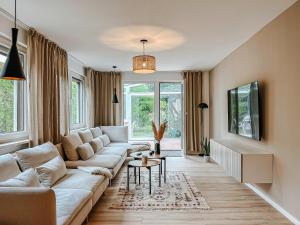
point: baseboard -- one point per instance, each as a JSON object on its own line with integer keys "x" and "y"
{"x": 274, "y": 204}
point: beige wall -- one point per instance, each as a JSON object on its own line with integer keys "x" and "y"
{"x": 272, "y": 56}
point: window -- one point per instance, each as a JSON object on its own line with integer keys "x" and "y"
{"x": 77, "y": 102}
{"x": 12, "y": 102}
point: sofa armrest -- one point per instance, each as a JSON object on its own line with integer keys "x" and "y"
{"x": 116, "y": 133}
{"x": 30, "y": 206}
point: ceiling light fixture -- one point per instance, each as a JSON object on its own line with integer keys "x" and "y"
{"x": 144, "y": 63}
{"x": 12, "y": 69}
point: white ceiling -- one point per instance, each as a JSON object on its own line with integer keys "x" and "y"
{"x": 183, "y": 34}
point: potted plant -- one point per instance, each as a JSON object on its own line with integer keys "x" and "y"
{"x": 205, "y": 145}
{"x": 158, "y": 135}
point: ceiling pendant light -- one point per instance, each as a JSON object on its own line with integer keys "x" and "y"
{"x": 115, "y": 97}
{"x": 12, "y": 69}
{"x": 144, "y": 63}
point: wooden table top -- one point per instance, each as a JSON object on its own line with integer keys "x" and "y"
{"x": 147, "y": 153}
{"x": 138, "y": 163}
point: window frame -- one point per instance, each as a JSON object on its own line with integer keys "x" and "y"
{"x": 82, "y": 103}
{"x": 22, "y": 106}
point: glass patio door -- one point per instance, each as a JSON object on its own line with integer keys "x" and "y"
{"x": 170, "y": 110}
{"x": 145, "y": 102}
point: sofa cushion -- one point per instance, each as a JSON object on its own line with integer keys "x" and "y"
{"x": 51, "y": 171}
{"x": 69, "y": 203}
{"x": 119, "y": 144}
{"x": 27, "y": 178}
{"x": 97, "y": 144}
{"x": 8, "y": 167}
{"x": 121, "y": 151}
{"x": 107, "y": 161}
{"x": 70, "y": 144}
{"x": 105, "y": 139}
{"x": 33, "y": 157}
{"x": 86, "y": 136}
{"x": 116, "y": 133}
{"x": 85, "y": 151}
{"x": 96, "y": 132}
{"x": 60, "y": 149}
{"x": 78, "y": 179}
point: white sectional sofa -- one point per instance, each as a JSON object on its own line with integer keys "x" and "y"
{"x": 66, "y": 194}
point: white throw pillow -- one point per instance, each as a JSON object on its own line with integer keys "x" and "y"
{"x": 97, "y": 144}
{"x": 8, "y": 167}
{"x": 96, "y": 132}
{"x": 33, "y": 157}
{"x": 28, "y": 178}
{"x": 86, "y": 136}
{"x": 105, "y": 139}
{"x": 70, "y": 144}
{"x": 85, "y": 151}
{"x": 51, "y": 171}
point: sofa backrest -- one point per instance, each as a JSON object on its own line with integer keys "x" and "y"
{"x": 36, "y": 156}
{"x": 116, "y": 133}
{"x": 9, "y": 167}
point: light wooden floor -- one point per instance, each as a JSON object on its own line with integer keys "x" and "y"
{"x": 231, "y": 203}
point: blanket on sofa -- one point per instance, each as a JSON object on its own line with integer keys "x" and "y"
{"x": 96, "y": 170}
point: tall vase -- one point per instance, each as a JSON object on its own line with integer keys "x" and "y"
{"x": 157, "y": 148}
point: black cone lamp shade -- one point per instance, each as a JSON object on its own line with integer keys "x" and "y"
{"x": 12, "y": 69}
{"x": 203, "y": 105}
{"x": 115, "y": 97}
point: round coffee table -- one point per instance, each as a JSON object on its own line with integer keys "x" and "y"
{"x": 162, "y": 157}
{"x": 138, "y": 164}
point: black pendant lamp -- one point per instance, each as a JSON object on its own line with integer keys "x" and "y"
{"x": 115, "y": 97}
{"x": 12, "y": 69}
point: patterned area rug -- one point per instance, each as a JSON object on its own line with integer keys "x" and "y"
{"x": 178, "y": 193}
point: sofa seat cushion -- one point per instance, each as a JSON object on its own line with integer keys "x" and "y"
{"x": 8, "y": 167}
{"x": 69, "y": 202}
{"x": 120, "y": 144}
{"x": 121, "y": 151}
{"x": 78, "y": 179}
{"x": 34, "y": 157}
{"x": 107, "y": 161}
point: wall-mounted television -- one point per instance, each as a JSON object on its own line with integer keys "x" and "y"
{"x": 244, "y": 111}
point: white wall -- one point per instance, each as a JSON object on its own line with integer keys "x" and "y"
{"x": 75, "y": 65}
{"x": 272, "y": 57}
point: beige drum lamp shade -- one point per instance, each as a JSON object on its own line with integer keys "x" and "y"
{"x": 143, "y": 64}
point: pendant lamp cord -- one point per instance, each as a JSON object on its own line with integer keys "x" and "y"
{"x": 15, "y": 13}
{"x": 143, "y": 48}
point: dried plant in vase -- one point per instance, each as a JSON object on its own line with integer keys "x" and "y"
{"x": 159, "y": 134}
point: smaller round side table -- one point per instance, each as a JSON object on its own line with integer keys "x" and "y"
{"x": 137, "y": 164}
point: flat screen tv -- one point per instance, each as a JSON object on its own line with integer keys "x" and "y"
{"x": 244, "y": 113}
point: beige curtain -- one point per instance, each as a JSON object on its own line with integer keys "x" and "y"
{"x": 90, "y": 88}
{"x": 48, "y": 90}
{"x": 192, "y": 98}
{"x": 101, "y": 110}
